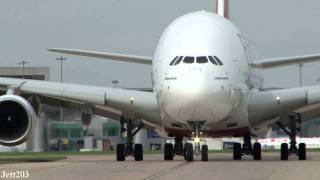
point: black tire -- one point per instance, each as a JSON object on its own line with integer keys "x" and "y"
{"x": 204, "y": 152}
{"x": 168, "y": 152}
{"x": 302, "y": 152}
{"x": 237, "y": 151}
{"x": 184, "y": 152}
{"x": 284, "y": 151}
{"x": 138, "y": 152}
{"x": 121, "y": 152}
{"x": 257, "y": 151}
{"x": 189, "y": 152}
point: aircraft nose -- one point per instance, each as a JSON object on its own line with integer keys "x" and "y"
{"x": 196, "y": 97}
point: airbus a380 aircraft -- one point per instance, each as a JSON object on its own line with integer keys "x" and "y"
{"x": 202, "y": 87}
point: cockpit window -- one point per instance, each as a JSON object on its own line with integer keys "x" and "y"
{"x": 212, "y": 60}
{"x": 202, "y": 59}
{"x": 188, "y": 60}
{"x": 218, "y": 60}
{"x": 178, "y": 60}
{"x": 172, "y": 62}
{"x": 199, "y": 60}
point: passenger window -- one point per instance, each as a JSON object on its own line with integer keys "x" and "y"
{"x": 212, "y": 60}
{"x": 202, "y": 60}
{"x": 179, "y": 60}
{"x": 172, "y": 62}
{"x": 218, "y": 60}
{"x": 188, "y": 60}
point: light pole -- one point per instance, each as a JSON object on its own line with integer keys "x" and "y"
{"x": 300, "y": 74}
{"x": 61, "y": 59}
{"x": 115, "y": 82}
{"x": 23, "y": 63}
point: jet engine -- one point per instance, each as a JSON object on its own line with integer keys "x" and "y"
{"x": 17, "y": 120}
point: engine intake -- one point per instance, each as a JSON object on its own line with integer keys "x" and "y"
{"x": 17, "y": 120}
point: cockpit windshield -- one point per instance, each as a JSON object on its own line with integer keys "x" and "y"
{"x": 202, "y": 59}
{"x": 178, "y": 61}
{"x": 199, "y": 60}
{"x": 188, "y": 60}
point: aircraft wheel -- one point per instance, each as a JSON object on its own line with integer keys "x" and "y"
{"x": 204, "y": 153}
{"x": 302, "y": 151}
{"x": 284, "y": 151}
{"x": 237, "y": 151}
{"x": 184, "y": 152}
{"x": 138, "y": 152}
{"x": 168, "y": 152}
{"x": 257, "y": 151}
{"x": 189, "y": 152}
{"x": 121, "y": 152}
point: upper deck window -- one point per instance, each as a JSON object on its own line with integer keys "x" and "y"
{"x": 174, "y": 60}
{"x": 188, "y": 60}
{"x": 202, "y": 59}
{"x": 178, "y": 60}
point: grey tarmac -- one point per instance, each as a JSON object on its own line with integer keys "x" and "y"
{"x": 219, "y": 167}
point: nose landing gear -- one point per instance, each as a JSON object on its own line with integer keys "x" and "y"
{"x": 197, "y": 135}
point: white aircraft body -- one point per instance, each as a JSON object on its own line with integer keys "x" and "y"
{"x": 203, "y": 86}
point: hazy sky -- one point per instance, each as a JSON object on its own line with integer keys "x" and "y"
{"x": 28, "y": 27}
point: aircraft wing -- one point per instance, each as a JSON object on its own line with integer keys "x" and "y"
{"x": 278, "y": 62}
{"x": 267, "y": 107}
{"x": 103, "y": 101}
{"x": 104, "y": 55}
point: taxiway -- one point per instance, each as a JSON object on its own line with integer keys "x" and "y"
{"x": 219, "y": 166}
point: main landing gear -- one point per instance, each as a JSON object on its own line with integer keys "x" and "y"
{"x": 247, "y": 149}
{"x": 188, "y": 150}
{"x": 286, "y": 151}
{"x": 124, "y": 150}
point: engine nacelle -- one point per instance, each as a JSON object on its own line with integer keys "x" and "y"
{"x": 17, "y": 120}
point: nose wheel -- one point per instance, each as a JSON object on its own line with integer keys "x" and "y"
{"x": 204, "y": 152}
{"x": 189, "y": 152}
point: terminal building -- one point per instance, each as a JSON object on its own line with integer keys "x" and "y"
{"x": 68, "y": 134}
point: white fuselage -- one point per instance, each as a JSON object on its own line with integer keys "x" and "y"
{"x": 196, "y": 91}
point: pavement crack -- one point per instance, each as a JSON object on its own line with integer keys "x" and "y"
{"x": 165, "y": 171}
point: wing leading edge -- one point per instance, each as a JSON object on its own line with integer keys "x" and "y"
{"x": 121, "y": 101}
{"x": 286, "y": 61}
{"x": 104, "y": 55}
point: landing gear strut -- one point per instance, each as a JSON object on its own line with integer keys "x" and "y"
{"x": 247, "y": 149}
{"x": 292, "y": 150}
{"x": 197, "y": 133}
{"x": 128, "y": 149}
{"x": 178, "y": 146}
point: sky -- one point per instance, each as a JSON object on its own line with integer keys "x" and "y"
{"x": 277, "y": 28}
